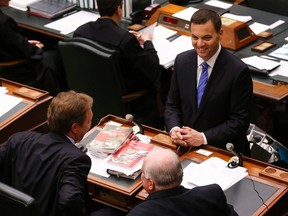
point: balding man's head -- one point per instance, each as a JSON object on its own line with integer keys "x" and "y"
{"x": 163, "y": 168}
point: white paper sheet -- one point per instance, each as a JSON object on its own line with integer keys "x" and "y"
{"x": 220, "y": 4}
{"x": 213, "y": 170}
{"x": 70, "y": 23}
{"x": 261, "y": 63}
{"x": 8, "y": 102}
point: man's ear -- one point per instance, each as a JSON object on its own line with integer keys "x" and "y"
{"x": 74, "y": 127}
{"x": 119, "y": 11}
{"x": 151, "y": 185}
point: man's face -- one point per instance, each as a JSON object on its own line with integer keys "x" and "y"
{"x": 83, "y": 129}
{"x": 205, "y": 39}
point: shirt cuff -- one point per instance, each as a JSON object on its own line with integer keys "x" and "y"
{"x": 204, "y": 137}
{"x": 173, "y": 129}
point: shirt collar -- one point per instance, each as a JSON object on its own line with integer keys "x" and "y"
{"x": 212, "y": 60}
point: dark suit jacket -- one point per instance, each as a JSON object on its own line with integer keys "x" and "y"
{"x": 42, "y": 70}
{"x": 49, "y": 168}
{"x": 224, "y": 112}
{"x": 13, "y": 45}
{"x": 140, "y": 65}
{"x": 199, "y": 201}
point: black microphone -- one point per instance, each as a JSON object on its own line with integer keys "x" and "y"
{"x": 138, "y": 128}
{"x": 232, "y": 162}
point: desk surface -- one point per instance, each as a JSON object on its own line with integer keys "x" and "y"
{"x": 261, "y": 88}
{"x": 247, "y": 202}
{"x": 28, "y": 115}
{"x": 119, "y": 193}
{"x": 124, "y": 194}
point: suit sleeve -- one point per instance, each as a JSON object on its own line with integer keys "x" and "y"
{"x": 235, "y": 126}
{"x": 217, "y": 201}
{"x": 17, "y": 45}
{"x": 144, "y": 62}
{"x": 73, "y": 192}
{"x": 173, "y": 104}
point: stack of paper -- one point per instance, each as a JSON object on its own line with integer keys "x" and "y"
{"x": 213, "y": 171}
{"x": 109, "y": 140}
{"x": 70, "y": 23}
{"x": 261, "y": 63}
{"x": 21, "y": 4}
{"x": 168, "y": 50}
{"x": 8, "y": 102}
{"x": 281, "y": 52}
{"x": 167, "y": 43}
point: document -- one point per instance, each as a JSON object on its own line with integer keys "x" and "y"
{"x": 8, "y": 102}
{"x": 21, "y": 4}
{"x": 220, "y": 4}
{"x": 281, "y": 70}
{"x": 185, "y": 14}
{"x": 258, "y": 27}
{"x": 212, "y": 171}
{"x": 167, "y": 43}
{"x": 168, "y": 50}
{"x": 261, "y": 63}
{"x": 70, "y": 23}
{"x": 281, "y": 52}
{"x": 237, "y": 17}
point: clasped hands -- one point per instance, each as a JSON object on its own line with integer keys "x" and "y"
{"x": 186, "y": 136}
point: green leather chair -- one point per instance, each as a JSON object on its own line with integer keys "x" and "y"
{"x": 16, "y": 203}
{"x": 95, "y": 70}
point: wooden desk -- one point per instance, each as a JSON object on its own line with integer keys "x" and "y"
{"x": 119, "y": 192}
{"x": 124, "y": 194}
{"x": 260, "y": 89}
{"x": 275, "y": 201}
{"x": 30, "y": 114}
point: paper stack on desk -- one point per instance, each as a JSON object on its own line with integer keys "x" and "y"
{"x": 212, "y": 170}
{"x": 109, "y": 140}
{"x": 261, "y": 63}
{"x": 129, "y": 158}
{"x": 21, "y": 4}
{"x": 167, "y": 43}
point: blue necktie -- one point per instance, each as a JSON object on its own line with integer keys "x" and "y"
{"x": 202, "y": 82}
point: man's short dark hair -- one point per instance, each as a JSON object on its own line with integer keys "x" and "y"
{"x": 108, "y": 7}
{"x": 202, "y": 16}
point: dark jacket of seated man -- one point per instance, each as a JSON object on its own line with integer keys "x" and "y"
{"x": 140, "y": 64}
{"x": 161, "y": 178}
{"x": 139, "y": 60}
{"x": 49, "y": 167}
{"x": 41, "y": 69}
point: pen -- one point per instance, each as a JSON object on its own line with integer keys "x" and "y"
{"x": 70, "y": 13}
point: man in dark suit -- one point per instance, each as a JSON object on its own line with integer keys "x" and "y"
{"x": 41, "y": 69}
{"x": 161, "y": 177}
{"x": 140, "y": 65}
{"x": 49, "y": 167}
{"x": 223, "y": 115}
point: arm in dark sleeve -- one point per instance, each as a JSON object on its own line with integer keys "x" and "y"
{"x": 141, "y": 61}
{"x": 73, "y": 194}
{"x": 173, "y": 104}
{"x": 15, "y": 43}
{"x": 236, "y": 125}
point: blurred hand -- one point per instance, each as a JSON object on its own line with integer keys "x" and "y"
{"x": 141, "y": 37}
{"x": 36, "y": 43}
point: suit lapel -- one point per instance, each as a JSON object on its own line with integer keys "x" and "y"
{"x": 214, "y": 80}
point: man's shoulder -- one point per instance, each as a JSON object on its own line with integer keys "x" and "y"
{"x": 26, "y": 134}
